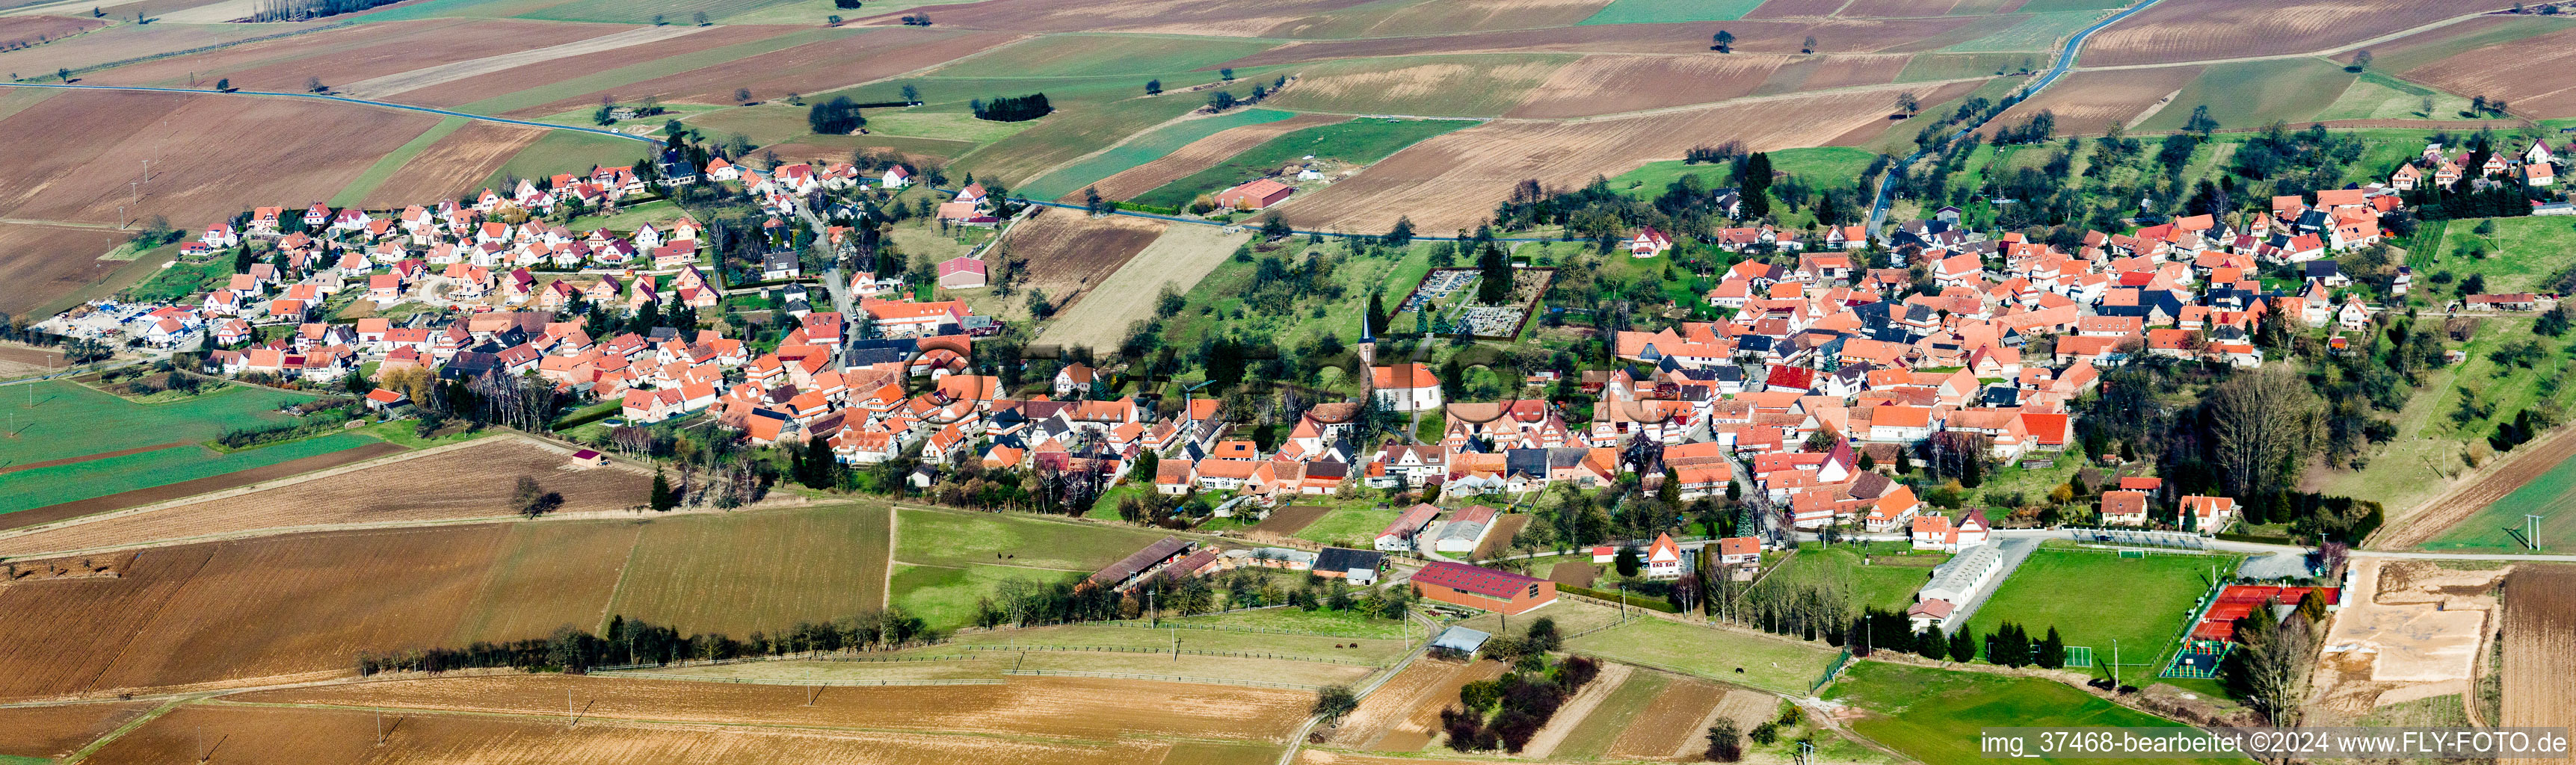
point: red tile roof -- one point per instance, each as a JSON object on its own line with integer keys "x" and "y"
{"x": 1475, "y": 579}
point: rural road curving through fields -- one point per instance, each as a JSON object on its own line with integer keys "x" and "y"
{"x": 341, "y": 99}
{"x": 2065, "y": 61}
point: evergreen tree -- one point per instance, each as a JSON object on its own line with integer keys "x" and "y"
{"x": 2052, "y": 650}
{"x": 1494, "y": 269}
{"x": 1963, "y": 645}
{"x": 1931, "y": 644}
{"x": 663, "y": 500}
{"x": 1757, "y": 185}
{"x": 1973, "y": 473}
{"x": 1377, "y": 314}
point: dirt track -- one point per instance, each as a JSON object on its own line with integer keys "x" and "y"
{"x": 2470, "y": 495}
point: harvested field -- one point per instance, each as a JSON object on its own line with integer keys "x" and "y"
{"x": 353, "y": 53}
{"x": 2193, "y": 30}
{"x": 1181, "y": 256}
{"x": 2526, "y": 73}
{"x": 129, "y": 41}
{"x": 2464, "y": 500}
{"x": 548, "y": 575}
{"x": 450, "y": 168}
{"x": 1828, "y": 72}
{"x": 307, "y": 605}
{"x": 1452, "y": 181}
{"x": 41, "y": 263}
{"x": 1832, "y": 35}
{"x": 287, "y": 736}
{"x": 1082, "y": 708}
{"x": 1419, "y": 724}
{"x": 1237, "y": 18}
{"x": 472, "y": 480}
{"x": 1070, "y": 254}
{"x": 2090, "y": 102}
{"x": 1674, "y": 724}
{"x": 1200, "y": 154}
{"x": 61, "y": 635}
{"x": 1607, "y": 84}
{"x": 2539, "y": 647}
{"x": 1500, "y": 536}
{"x": 38, "y": 30}
{"x": 53, "y": 732}
{"x": 400, "y": 82}
{"x": 229, "y": 146}
{"x": 814, "y": 67}
{"x": 190, "y": 488}
{"x": 1287, "y": 521}
{"x": 1577, "y": 573}
{"x": 1385, "y": 713}
{"x": 1439, "y": 86}
{"x": 764, "y": 571}
{"x": 474, "y": 88}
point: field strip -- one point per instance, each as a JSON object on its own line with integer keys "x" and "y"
{"x": 92, "y": 748}
{"x": 633, "y": 73}
{"x": 89, "y": 457}
{"x": 1572, "y": 714}
{"x": 383, "y": 170}
{"x": 1157, "y": 678}
{"x": 2316, "y": 53}
{"x": 607, "y": 607}
{"x": 806, "y": 683}
{"x": 240, "y": 490}
{"x": 1182, "y": 255}
{"x": 2474, "y": 492}
{"x": 399, "y": 82}
{"x": 892, "y": 529}
{"x": 894, "y": 563}
{"x": 606, "y": 718}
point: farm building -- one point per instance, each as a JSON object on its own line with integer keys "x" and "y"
{"x": 1484, "y": 588}
{"x": 1398, "y": 536}
{"x": 1359, "y": 566}
{"x": 1466, "y": 528}
{"x": 1128, "y": 571}
{"x": 961, "y": 273}
{"x": 1254, "y": 195}
{"x": 1465, "y": 642}
{"x": 1953, "y": 583}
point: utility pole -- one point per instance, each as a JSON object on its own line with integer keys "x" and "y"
{"x": 2115, "y": 665}
{"x": 2530, "y": 526}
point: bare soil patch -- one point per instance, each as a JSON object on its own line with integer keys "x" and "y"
{"x": 2408, "y": 625}
{"x": 1396, "y": 700}
{"x": 1291, "y": 519}
{"x": 814, "y": 67}
{"x": 398, "y": 82}
{"x": 1219, "y": 18}
{"x": 182, "y": 489}
{"x": 42, "y": 263}
{"x": 2526, "y": 73}
{"x": 1672, "y": 722}
{"x": 1499, "y": 536}
{"x": 1420, "y": 724}
{"x": 1453, "y": 180}
{"x": 18, "y": 360}
{"x": 451, "y": 167}
{"x": 1199, "y": 155}
{"x": 467, "y": 90}
{"x": 354, "y": 53}
{"x": 37, "y": 30}
{"x": 2196, "y": 30}
{"x": 1832, "y": 36}
{"x": 1610, "y": 83}
{"x": 2088, "y": 103}
{"x": 1573, "y": 572}
{"x": 215, "y": 155}
{"x": 2539, "y": 647}
{"x": 54, "y": 732}
{"x": 475, "y": 481}
{"x": 1070, "y": 254}
{"x": 1836, "y": 71}
{"x": 1181, "y": 256}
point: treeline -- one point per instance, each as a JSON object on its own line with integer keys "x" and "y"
{"x": 324, "y": 420}
{"x": 299, "y": 10}
{"x": 1505, "y": 713}
{"x": 1011, "y": 108}
{"x": 2011, "y": 644}
{"x": 839, "y": 116}
{"x": 1024, "y": 603}
{"x": 638, "y": 642}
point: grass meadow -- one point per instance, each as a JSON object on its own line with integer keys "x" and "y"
{"x": 1671, "y": 11}
{"x": 1359, "y": 142}
{"x": 1933, "y": 715}
{"x": 62, "y": 420}
{"x": 1152, "y": 145}
{"x": 2093, "y": 597}
{"x": 1771, "y": 664}
{"x": 758, "y": 571}
{"x": 2251, "y": 94}
{"x": 945, "y": 538}
{"x": 1888, "y": 583}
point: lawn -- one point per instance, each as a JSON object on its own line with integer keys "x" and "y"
{"x": 383, "y": 170}
{"x": 2251, "y": 94}
{"x": 181, "y": 279}
{"x": 759, "y": 571}
{"x": 945, "y": 538}
{"x": 1887, "y": 584}
{"x": 1766, "y": 663}
{"x": 946, "y": 596}
{"x": 2039, "y": 32}
{"x": 1350, "y": 527}
{"x": 1934, "y": 715}
{"x": 566, "y": 151}
{"x": 1359, "y": 142}
{"x": 2066, "y": 589}
{"x": 1671, "y": 11}
{"x": 1152, "y": 145}
{"x": 67, "y": 420}
{"x": 630, "y": 217}
{"x": 945, "y": 126}
{"x": 1301, "y": 621}
{"x": 2521, "y": 255}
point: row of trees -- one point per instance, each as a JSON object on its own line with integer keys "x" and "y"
{"x": 1011, "y": 108}
{"x": 631, "y": 642}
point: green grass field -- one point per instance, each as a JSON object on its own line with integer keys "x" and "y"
{"x": 2375, "y": 96}
{"x": 2040, "y": 32}
{"x": 2250, "y": 94}
{"x": 1359, "y": 142}
{"x": 2551, "y": 494}
{"x": 181, "y": 280}
{"x": 1349, "y": 527}
{"x": 1344, "y": 650}
{"x": 432, "y": 9}
{"x": 627, "y": 219}
{"x": 2520, "y": 256}
{"x": 1471, "y": 85}
{"x": 1767, "y": 663}
{"x": 634, "y": 73}
{"x": 945, "y": 126}
{"x": 565, "y": 151}
{"x": 383, "y": 170}
{"x": 1934, "y": 715}
{"x": 1960, "y": 66}
{"x": 1607, "y": 721}
{"x": 1077, "y": 127}
{"x": 2418, "y": 464}
{"x": 1671, "y": 11}
{"x": 1888, "y": 584}
{"x": 946, "y": 596}
{"x": 2149, "y": 599}
{"x": 957, "y": 539}
{"x": 69, "y": 420}
{"x": 764, "y": 124}
{"x": 1085, "y": 55}
{"x": 760, "y": 571}
{"x": 1153, "y": 145}
{"x": 644, "y": 11}
{"x": 1325, "y": 621}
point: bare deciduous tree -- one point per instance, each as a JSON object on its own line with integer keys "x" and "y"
{"x": 2262, "y": 426}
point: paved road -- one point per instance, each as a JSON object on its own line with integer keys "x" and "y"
{"x": 2065, "y": 61}
{"x": 2251, "y": 548}
{"x": 342, "y": 99}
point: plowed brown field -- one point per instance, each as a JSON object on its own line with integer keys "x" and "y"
{"x": 52, "y": 732}
{"x": 2527, "y": 73}
{"x": 2090, "y": 102}
{"x": 286, "y": 736}
{"x": 475, "y": 481}
{"x": 515, "y": 79}
{"x": 41, "y": 263}
{"x": 1882, "y": 8}
{"x": 214, "y": 156}
{"x": 1069, "y": 253}
{"x": 1833, "y": 36}
{"x": 1453, "y": 180}
{"x": 450, "y": 167}
{"x": 2195, "y": 30}
{"x": 35, "y": 30}
{"x": 1226, "y": 17}
{"x": 1785, "y": 9}
{"x": 1838, "y": 71}
{"x": 548, "y": 575}
{"x": 1395, "y": 701}
{"x": 1082, "y": 708}
{"x": 1676, "y": 724}
{"x": 60, "y": 635}
{"x": 1608, "y": 84}
{"x": 2539, "y": 647}
{"x": 1200, "y": 155}
{"x": 353, "y": 53}
{"x": 810, "y": 68}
